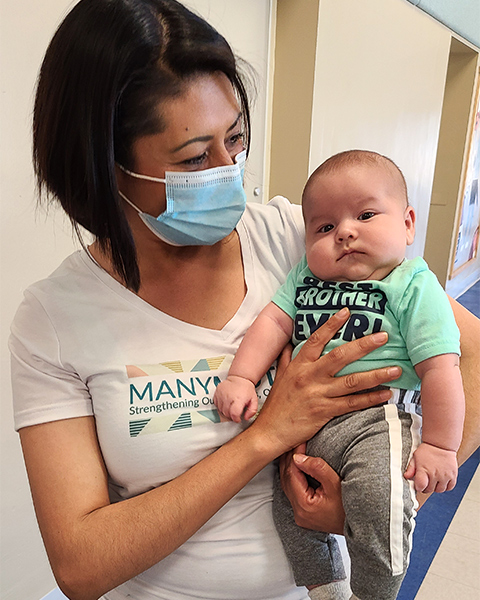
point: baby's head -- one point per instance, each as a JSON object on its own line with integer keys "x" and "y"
{"x": 357, "y": 217}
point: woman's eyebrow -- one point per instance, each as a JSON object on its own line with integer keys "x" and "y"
{"x": 201, "y": 138}
{"x": 206, "y": 138}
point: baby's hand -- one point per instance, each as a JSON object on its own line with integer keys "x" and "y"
{"x": 234, "y": 396}
{"x": 433, "y": 469}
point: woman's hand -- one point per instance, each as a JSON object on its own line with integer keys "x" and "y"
{"x": 320, "y": 509}
{"x": 306, "y": 394}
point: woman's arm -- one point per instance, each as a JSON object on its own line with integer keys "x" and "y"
{"x": 469, "y": 327}
{"x": 94, "y": 546}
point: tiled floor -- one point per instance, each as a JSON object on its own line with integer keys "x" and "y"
{"x": 455, "y": 570}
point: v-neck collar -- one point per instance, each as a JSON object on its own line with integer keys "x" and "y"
{"x": 227, "y": 331}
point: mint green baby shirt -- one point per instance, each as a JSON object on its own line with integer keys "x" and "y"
{"x": 409, "y": 304}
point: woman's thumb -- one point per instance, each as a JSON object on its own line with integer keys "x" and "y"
{"x": 284, "y": 360}
{"x": 314, "y": 466}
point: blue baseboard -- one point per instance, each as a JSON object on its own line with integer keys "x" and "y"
{"x": 55, "y": 594}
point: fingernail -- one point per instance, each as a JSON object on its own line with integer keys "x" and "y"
{"x": 394, "y": 372}
{"x": 299, "y": 458}
{"x": 380, "y": 337}
{"x": 344, "y": 312}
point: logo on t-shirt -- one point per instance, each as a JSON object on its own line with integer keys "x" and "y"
{"x": 317, "y": 301}
{"x": 178, "y": 394}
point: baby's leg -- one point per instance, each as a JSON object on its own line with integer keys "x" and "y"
{"x": 379, "y": 503}
{"x": 315, "y": 557}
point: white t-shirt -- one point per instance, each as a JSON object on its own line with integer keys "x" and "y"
{"x": 82, "y": 344}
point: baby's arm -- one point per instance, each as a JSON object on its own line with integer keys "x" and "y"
{"x": 434, "y": 464}
{"x": 263, "y": 342}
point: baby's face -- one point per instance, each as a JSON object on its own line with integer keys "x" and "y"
{"x": 357, "y": 224}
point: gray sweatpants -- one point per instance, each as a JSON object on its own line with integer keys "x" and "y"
{"x": 370, "y": 450}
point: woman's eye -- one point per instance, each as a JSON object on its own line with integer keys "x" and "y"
{"x": 237, "y": 138}
{"x": 366, "y": 215}
{"x": 325, "y": 228}
{"x": 196, "y": 160}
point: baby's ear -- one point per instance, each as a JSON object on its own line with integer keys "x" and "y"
{"x": 410, "y": 224}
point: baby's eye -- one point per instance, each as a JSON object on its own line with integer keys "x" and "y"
{"x": 325, "y": 228}
{"x": 366, "y": 215}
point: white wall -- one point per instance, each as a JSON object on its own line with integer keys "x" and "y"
{"x": 32, "y": 245}
{"x": 379, "y": 82}
{"x": 376, "y": 83}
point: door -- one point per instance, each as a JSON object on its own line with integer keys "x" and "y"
{"x": 247, "y": 25}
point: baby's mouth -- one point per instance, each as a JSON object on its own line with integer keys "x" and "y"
{"x": 348, "y": 252}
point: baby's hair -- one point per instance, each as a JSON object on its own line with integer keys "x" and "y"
{"x": 350, "y": 158}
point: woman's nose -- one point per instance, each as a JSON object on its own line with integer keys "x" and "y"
{"x": 221, "y": 158}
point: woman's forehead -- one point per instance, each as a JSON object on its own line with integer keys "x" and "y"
{"x": 208, "y": 102}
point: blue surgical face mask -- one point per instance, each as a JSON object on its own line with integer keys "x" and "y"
{"x": 203, "y": 207}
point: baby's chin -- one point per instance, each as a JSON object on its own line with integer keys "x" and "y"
{"x": 354, "y": 274}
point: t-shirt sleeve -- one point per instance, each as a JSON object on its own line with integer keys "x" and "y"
{"x": 285, "y": 296}
{"x": 426, "y": 319}
{"x": 44, "y": 389}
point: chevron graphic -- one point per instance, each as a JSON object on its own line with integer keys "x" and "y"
{"x": 178, "y": 366}
{"x": 184, "y": 421}
{"x": 215, "y": 363}
{"x": 202, "y": 365}
{"x": 136, "y": 427}
{"x": 211, "y": 415}
{"x": 174, "y": 365}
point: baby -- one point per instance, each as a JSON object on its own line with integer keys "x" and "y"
{"x": 358, "y": 225}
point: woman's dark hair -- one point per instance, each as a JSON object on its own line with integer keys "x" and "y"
{"x": 108, "y": 66}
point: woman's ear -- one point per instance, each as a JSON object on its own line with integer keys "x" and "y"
{"x": 410, "y": 224}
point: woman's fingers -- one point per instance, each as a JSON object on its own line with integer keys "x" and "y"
{"x": 315, "y": 344}
{"x": 368, "y": 380}
{"x": 344, "y": 354}
{"x": 321, "y": 508}
{"x": 306, "y": 393}
{"x": 347, "y": 404}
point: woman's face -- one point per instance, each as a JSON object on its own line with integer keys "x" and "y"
{"x": 203, "y": 130}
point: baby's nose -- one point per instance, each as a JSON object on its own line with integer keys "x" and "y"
{"x": 346, "y": 231}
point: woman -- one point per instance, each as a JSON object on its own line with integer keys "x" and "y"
{"x": 140, "y": 490}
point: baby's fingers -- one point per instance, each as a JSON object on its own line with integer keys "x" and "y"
{"x": 423, "y": 483}
{"x": 251, "y": 409}
{"x": 445, "y": 483}
{"x": 410, "y": 472}
{"x": 451, "y": 484}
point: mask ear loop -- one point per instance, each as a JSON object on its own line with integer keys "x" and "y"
{"x": 138, "y": 176}
{"x": 122, "y": 195}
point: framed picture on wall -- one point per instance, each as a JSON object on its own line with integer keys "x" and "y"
{"x": 469, "y": 224}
